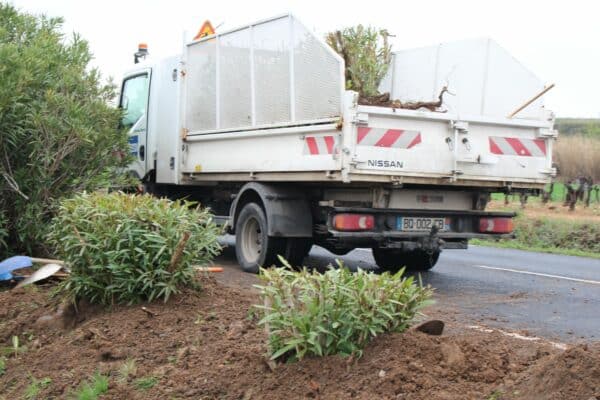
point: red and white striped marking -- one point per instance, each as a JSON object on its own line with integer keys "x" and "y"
{"x": 396, "y": 138}
{"x": 511, "y": 146}
{"x": 318, "y": 145}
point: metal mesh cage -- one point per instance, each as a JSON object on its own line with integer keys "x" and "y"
{"x": 272, "y": 73}
{"x": 201, "y": 89}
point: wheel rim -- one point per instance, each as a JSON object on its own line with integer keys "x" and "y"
{"x": 251, "y": 240}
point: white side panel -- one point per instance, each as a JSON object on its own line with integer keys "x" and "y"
{"x": 425, "y": 144}
{"x": 276, "y": 150}
{"x": 483, "y": 77}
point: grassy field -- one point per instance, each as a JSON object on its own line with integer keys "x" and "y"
{"x": 558, "y": 195}
{"x": 552, "y": 228}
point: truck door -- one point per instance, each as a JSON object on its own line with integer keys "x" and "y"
{"x": 134, "y": 102}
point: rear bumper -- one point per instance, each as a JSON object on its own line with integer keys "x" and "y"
{"x": 463, "y": 225}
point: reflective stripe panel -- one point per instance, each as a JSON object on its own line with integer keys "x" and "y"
{"x": 318, "y": 145}
{"x": 392, "y": 138}
{"x": 510, "y": 146}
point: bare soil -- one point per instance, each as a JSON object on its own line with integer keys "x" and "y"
{"x": 206, "y": 345}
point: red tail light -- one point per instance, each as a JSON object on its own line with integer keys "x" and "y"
{"x": 495, "y": 225}
{"x": 353, "y": 222}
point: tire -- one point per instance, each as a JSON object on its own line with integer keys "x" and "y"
{"x": 388, "y": 259}
{"x": 296, "y": 249}
{"x": 421, "y": 260}
{"x": 415, "y": 260}
{"x": 253, "y": 247}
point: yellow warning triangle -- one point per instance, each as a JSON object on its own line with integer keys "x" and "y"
{"x": 206, "y": 30}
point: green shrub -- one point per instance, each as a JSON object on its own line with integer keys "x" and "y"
{"x": 129, "y": 248}
{"x": 337, "y": 312}
{"x": 367, "y": 55}
{"x": 58, "y": 130}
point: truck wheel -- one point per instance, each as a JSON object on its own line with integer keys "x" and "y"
{"x": 388, "y": 259}
{"x": 421, "y": 260}
{"x": 253, "y": 247}
{"x": 296, "y": 249}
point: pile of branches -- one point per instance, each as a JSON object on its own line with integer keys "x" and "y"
{"x": 367, "y": 56}
{"x": 384, "y": 100}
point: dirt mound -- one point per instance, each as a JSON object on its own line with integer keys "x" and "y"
{"x": 207, "y": 345}
{"x": 572, "y": 374}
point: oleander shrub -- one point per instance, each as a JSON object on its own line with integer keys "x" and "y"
{"x": 59, "y": 132}
{"x": 125, "y": 248}
{"x": 336, "y": 312}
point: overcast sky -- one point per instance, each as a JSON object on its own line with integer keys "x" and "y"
{"x": 558, "y": 40}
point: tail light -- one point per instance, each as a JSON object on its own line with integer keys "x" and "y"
{"x": 495, "y": 225}
{"x": 353, "y": 222}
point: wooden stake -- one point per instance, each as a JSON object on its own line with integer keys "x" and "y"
{"x": 534, "y": 98}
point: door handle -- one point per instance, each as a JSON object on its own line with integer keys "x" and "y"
{"x": 142, "y": 152}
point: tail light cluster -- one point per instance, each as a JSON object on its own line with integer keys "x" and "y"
{"x": 495, "y": 225}
{"x": 353, "y": 222}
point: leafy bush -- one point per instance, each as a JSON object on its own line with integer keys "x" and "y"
{"x": 366, "y": 53}
{"x": 58, "y": 132}
{"x": 337, "y": 312}
{"x": 128, "y": 248}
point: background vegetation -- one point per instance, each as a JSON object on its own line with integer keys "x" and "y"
{"x": 58, "y": 134}
{"x": 129, "y": 248}
{"x": 581, "y": 126}
{"x": 553, "y": 235}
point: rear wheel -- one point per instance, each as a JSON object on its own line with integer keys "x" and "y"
{"x": 415, "y": 260}
{"x": 421, "y": 260}
{"x": 296, "y": 249}
{"x": 388, "y": 259}
{"x": 254, "y": 248}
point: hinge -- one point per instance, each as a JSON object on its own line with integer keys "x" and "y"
{"x": 460, "y": 126}
{"x": 184, "y": 133}
{"x": 547, "y": 133}
{"x": 361, "y": 119}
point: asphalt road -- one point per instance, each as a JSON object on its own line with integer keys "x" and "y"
{"x": 551, "y": 296}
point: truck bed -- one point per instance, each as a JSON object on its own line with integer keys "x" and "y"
{"x": 272, "y": 107}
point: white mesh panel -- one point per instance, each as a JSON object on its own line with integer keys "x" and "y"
{"x": 267, "y": 48}
{"x": 201, "y": 87}
{"x": 272, "y": 71}
{"x": 317, "y": 77}
{"x": 234, "y": 79}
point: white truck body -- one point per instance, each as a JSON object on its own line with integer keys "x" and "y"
{"x": 267, "y": 103}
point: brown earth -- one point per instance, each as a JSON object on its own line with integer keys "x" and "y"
{"x": 206, "y": 345}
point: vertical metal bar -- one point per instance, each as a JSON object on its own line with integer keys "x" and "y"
{"x": 485, "y": 76}
{"x": 291, "y": 69}
{"x": 252, "y": 79}
{"x": 393, "y": 79}
{"x": 217, "y": 83}
{"x": 436, "y": 72}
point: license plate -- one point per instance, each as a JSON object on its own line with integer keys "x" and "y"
{"x": 418, "y": 224}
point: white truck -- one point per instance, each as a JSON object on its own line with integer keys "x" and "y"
{"x": 256, "y": 124}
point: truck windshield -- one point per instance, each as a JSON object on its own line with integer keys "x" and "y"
{"x": 134, "y": 99}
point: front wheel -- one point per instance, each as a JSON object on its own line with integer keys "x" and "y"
{"x": 253, "y": 247}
